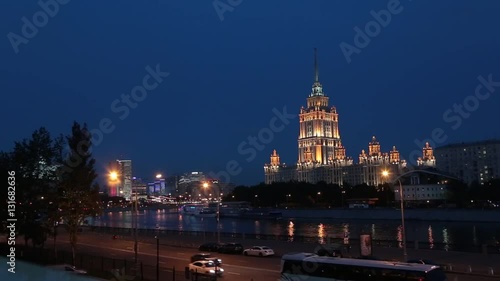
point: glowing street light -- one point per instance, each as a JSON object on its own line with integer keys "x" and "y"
{"x": 401, "y": 198}
{"x": 113, "y": 176}
{"x": 159, "y": 176}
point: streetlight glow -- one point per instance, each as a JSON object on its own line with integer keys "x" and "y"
{"x": 159, "y": 176}
{"x": 113, "y": 176}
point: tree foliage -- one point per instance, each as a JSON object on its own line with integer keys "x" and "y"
{"x": 34, "y": 161}
{"x": 302, "y": 194}
{"x": 78, "y": 192}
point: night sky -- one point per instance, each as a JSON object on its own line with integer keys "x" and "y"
{"x": 227, "y": 73}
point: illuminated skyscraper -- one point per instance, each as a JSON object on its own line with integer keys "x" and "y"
{"x": 322, "y": 157}
{"x": 125, "y": 175}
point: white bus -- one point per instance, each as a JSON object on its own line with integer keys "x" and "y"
{"x": 311, "y": 267}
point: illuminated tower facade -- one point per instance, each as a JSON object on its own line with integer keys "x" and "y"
{"x": 125, "y": 173}
{"x": 321, "y": 155}
{"x": 427, "y": 159}
{"x": 319, "y": 131}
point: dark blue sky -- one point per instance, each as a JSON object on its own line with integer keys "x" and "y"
{"x": 227, "y": 76}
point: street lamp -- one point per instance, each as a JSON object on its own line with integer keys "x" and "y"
{"x": 401, "y": 198}
{"x": 206, "y": 185}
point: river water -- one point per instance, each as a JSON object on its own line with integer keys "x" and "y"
{"x": 432, "y": 232}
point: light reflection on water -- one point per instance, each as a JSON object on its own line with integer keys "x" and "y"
{"x": 291, "y": 231}
{"x": 321, "y": 233}
{"x": 399, "y": 236}
{"x": 432, "y": 232}
{"x": 431, "y": 238}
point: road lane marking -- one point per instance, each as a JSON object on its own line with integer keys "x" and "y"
{"x": 235, "y": 273}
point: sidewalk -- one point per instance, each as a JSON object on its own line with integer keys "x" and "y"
{"x": 459, "y": 262}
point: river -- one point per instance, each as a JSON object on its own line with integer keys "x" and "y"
{"x": 431, "y": 232}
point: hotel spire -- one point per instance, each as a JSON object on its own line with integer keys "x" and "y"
{"x": 316, "y": 72}
{"x": 317, "y": 89}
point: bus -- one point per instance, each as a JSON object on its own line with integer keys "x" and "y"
{"x": 311, "y": 267}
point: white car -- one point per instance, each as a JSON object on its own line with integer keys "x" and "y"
{"x": 205, "y": 268}
{"x": 68, "y": 268}
{"x": 261, "y": 251}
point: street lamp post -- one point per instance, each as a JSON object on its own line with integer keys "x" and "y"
{"x": 114, "y": 176}
{"x": 205, "y": 185}
{"x": 401, "y": 199}
{"x": 136, "y": 215}
{"x": 157, "y": 258}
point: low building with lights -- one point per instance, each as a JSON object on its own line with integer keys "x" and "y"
{"x": 471, "y": 162}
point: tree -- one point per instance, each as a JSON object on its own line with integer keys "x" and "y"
{"x": 35, "y": 162}
{"x": 78, "y": 192}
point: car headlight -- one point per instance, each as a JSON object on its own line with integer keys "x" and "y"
{"x": 212, "y": 271}
{"x": 221, "y": 269}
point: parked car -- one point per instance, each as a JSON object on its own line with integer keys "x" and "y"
{"x": 261, "y": 251}
{"x": 231, "y": 248}
{"x": 206, "y": 257}
{"x": 68, "y": 268}
{"x": 205, "y": 268}
{"x": 209, "y": 247}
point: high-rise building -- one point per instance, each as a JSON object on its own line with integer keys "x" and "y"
{"x": 125, "y": 176}
{"x": 322, "y": 157}
{"x": 471, "y": 162}
{"x": 139, "y": 187}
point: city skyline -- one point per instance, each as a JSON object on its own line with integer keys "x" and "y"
{"x": 213, "y": 84}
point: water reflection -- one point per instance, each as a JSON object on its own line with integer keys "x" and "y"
{"x": 321, "y": 233}
{"x": 431, "y": 238}
{"x": 291, "y": 231}
{"x": 181, "y": 226}
{"x": 474, "y": 236}
{"x": 399, "y": 237}
{"x": 257, "y": 229}
{"x": 347, "y": 234}
{"x": 436, "y": 233}
{"x": 446, "y": 239}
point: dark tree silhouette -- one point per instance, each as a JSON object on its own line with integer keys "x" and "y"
{"x": 35, "y": 162}
{"x": 78, "y": 192}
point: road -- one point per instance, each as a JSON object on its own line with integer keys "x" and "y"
{"x": 237, "y": 267}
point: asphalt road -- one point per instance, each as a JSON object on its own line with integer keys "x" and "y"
{"x": 237, "y": 267}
